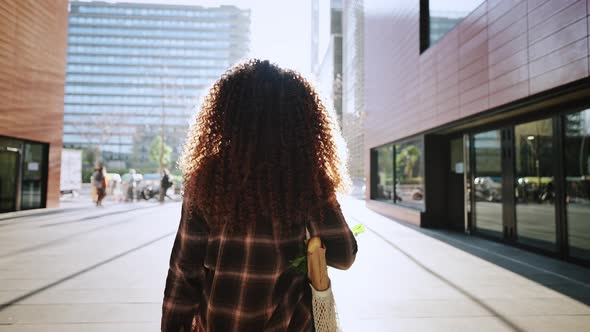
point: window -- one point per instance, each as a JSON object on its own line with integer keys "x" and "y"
{"x": 409, "y": 174}
{"x": 153, "y": 70}
{"x": 383, "y": 177}
{"x": 183, "y": 82}
{"x": 438, "y": 17}
{"x": 398, "y": 173}
{"x": 130, "y": 42}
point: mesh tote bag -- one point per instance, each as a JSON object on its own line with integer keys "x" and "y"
{"x": 324, "y": 308}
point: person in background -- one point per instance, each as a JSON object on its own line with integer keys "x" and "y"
{"x": 131, "y": 186}
{"x": 99, "y": 181}
{"x": 165, "y": 183}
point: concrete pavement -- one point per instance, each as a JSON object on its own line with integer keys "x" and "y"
{"x": 410, "y": 279}
{"x": 92, "y": 269}
{"x": 95, "y": 269}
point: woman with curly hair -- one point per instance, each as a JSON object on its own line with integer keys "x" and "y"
{"x": 260, "y": 165}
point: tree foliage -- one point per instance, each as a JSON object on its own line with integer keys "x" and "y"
{"x": 159, "y": 154}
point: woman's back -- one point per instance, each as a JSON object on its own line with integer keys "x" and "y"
{"x": 260, "y": 166}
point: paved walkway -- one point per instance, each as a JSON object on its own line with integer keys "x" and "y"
{"x": 410, "y": 279}
{"x": 91, "y": 269}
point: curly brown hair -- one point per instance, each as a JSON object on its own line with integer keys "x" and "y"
{"x": 263, "y": 147}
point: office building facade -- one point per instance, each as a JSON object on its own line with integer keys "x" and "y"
{"x": 33, "y": 39}
{"x": 137, "y": 71}
{"x": 484, "y": 127}
{"x": 326, "y": 50}
{"x": 353, "y": 110}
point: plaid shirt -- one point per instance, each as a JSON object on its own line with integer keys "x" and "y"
{"x": 243, "y": 282}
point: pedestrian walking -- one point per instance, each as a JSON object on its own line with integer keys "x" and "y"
{"x": 261, "y": 165}
{"x": 165, "y": 184}
{"x": 99, "y": 181}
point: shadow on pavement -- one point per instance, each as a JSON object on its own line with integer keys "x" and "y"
{"x": 97, "y": 216}
{"x": 39, "y": 212}
{"x": 73, "y": 235}
{"x": 564, "y": 277}
{"x": 465, "y": 293}
{"x": 16, "y": 300}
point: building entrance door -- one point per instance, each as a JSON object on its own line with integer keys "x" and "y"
{"x": 456, "y": 185}
{"x": 514, "y": 184}
{"x": 535, "y": 184}
{"x": 8, "y": 179}
{"x": 487, "y": 183}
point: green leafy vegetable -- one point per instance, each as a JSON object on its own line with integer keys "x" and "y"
{"x": 358, "y": 229}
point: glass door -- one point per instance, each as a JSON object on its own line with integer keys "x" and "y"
{"x": 534, "y": 183}
{"x": 455, "y": 185}
{"x": 577, "y": 183}
{"x": 487, "y": 182}
{"x": 34, "y": 176}
{"x": 8, "y": 179}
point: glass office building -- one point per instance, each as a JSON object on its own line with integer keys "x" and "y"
{"x": 135, "y": 71}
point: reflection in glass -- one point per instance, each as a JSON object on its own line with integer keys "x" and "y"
{"x": 9, "y": 159}
{"x": 487, "y": 182}
{"x": 577, "y": 170}
{"x": 409, "y": 174}
{"x": 33, "y": 182}
{"x": 384, "y": 178}
{"x": 535, "y": 195}
{"x": 445, "y": 15}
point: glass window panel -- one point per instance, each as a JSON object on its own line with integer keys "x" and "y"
{"x": 534, "y": 194}
{"x": 409, "y": 174}
{"x": 383, "y": 180}
{"x": 577, "y": 170}
{"x": 157, "y": 61}
{"x": 126, "y": 40}
{"x": 98, "y": 110}
{"x": 166, "y": 92}
{"x": 445, "y": 15}
{"x": 487, "y": 183}
{"x": 210, "y": 73}
{"x": 457, "y": 165}
{"x": 173, "y": 33}
{"x": 126, "y": 100}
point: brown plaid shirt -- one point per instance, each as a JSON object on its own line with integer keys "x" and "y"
{"x": 243, "y": 282}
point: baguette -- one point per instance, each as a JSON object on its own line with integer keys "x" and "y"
{"x": 317, "y": 269}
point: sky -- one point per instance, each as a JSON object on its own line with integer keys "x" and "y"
{"x": 280, "y": 29}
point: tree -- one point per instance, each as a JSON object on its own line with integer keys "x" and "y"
{"x": 97, "y": 129}
{"x": 160, "y": 152}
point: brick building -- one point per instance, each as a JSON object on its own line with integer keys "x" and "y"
{"x": 33, "y": 38}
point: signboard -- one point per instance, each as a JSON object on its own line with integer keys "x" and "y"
{"x": 459, "y": 168}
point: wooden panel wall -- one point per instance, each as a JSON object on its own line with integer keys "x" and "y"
{"x": 503, "y": 51}
{"x": 33, "y": 37}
